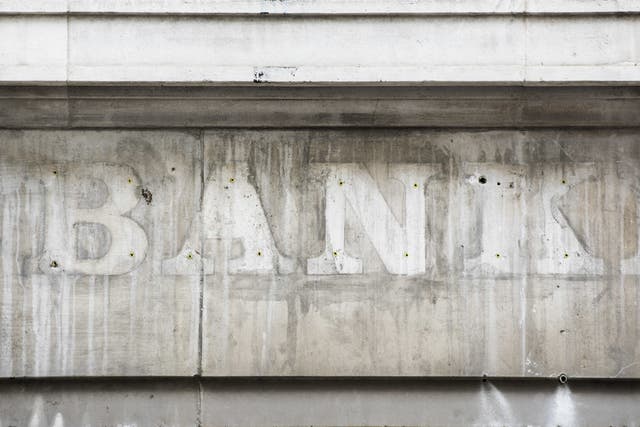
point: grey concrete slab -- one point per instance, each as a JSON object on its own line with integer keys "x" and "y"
{"x": 343, "y": 402}
{"x": 260, "y": 105}
{"x": 113, "y": 402}
{"x": 386, "y": 252}
{"x": 88, "y": 219}
{"x": 437, "y": 402}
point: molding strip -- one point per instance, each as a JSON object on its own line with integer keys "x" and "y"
{"x": 264, "y": 106}
{"x": 315, "y": 7}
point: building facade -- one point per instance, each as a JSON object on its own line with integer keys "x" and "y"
{"x": 338, "y": 212}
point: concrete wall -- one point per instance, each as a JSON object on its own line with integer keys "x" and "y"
{"x": 197, "y": 190}
{"x": 321, "y": 253}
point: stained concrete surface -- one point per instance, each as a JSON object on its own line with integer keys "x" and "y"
{"x": 531, "y": 273}
{"x": 257, "y": 105}
{"x": 82, "y": 289}
{"x": 205, "y": 402}
{"x": 319, "y": 253}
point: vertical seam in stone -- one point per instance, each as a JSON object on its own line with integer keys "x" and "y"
{"x": 525, "y": 59}
{"x": 66, "y": 72}
{"x": 199, "y": 404}
{"x": 201, "y": 297}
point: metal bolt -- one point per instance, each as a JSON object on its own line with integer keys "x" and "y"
{"x": 563, "y": 378}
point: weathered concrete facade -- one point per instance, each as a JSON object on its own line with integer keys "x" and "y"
{"x": 319, "y": 213}
{"x": 324, "y": 252}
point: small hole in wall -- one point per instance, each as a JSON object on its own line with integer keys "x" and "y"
{"x": 482, "y": 180}
{"x": 498, "y": 183}
{"x": 340, "y": 183}
{"x": 415, "y": 185}
{"x": 53, "y": 264}
{"x": 131, "y": 254}
{"x": 564, "y": 181}
{"x": 497, "y": 255}
{"x": 406, "y": 254}
{"x": 173, "y": 169}
{"x": 259, "y": 253}
{"x": 189, "y": 256}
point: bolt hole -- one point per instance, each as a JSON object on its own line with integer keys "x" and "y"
{"x": 232, "y": 180}
{"x": 189, "y": 256}
{"x": 55, "y": 172}
{"x": 482, "y": 180}
{"x": 335, "y": 253}
{"x": 131, "y": 254}
{"x": 406, "y": 254}
{"x": 564, "y": 181}
{"x": 341, "y": 183}
{"x": 497, "y": 255}
{"x": 259, "y": 253}
{"x": 173, "y": 169}
{"x": 129, "y": 180}
{"x": 53, "y": 264}
{"x": 563, "y": 378}
{"x": 566, "y": 255}
{"x": 415, "y": 185}
{"x": 498, "y": 183}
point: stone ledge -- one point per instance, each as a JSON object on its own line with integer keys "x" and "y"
{"x": 265, "y": 105}
{"x": 310, "y": 7}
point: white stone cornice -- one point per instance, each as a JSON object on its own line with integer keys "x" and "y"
{"x": 508, "y": 49}
{"x": 357, "y": 7}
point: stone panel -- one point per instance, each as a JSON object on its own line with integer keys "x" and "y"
{"x": 380, "y": 252}
{"x": 87, "y": 220}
